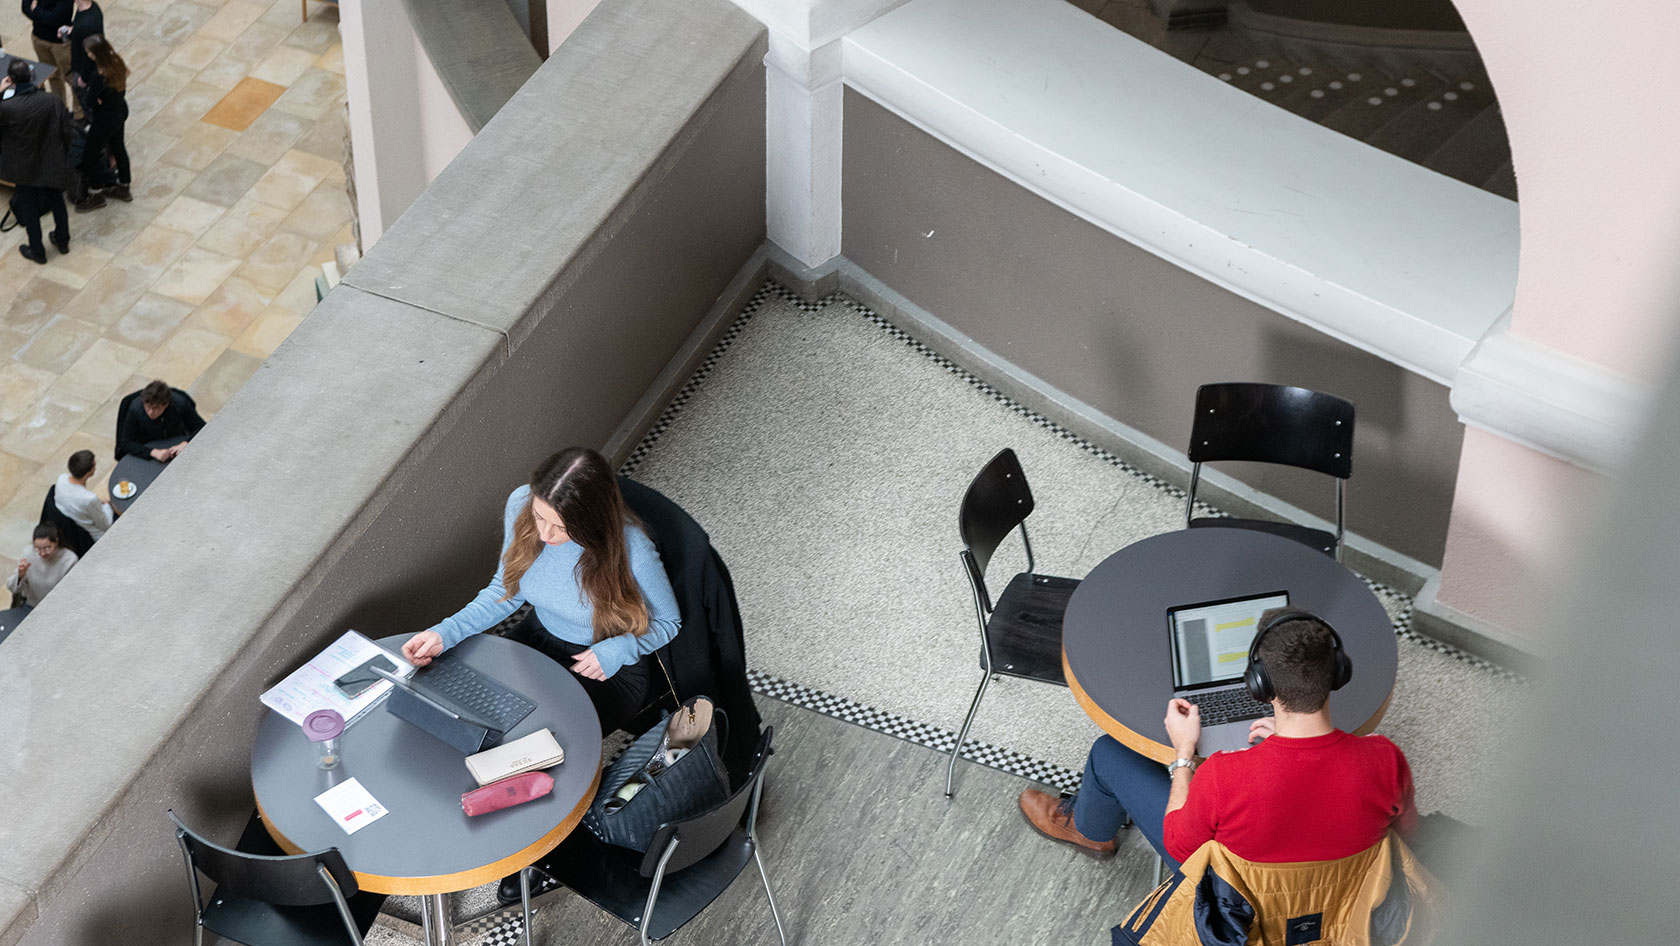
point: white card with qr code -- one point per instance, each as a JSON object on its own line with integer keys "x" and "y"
{"x": 350, "y": 806}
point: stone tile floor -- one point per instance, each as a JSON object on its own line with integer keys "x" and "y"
{"x": 213, "y": 264}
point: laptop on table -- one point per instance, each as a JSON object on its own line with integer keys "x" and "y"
{"x": 1210, "y": 641}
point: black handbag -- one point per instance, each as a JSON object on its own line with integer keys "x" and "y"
{"x": 671, "y": 772}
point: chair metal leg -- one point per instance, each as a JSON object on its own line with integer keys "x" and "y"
{"x": 525, "y": 902}
{"x": 774, "y": 913}
{"x": 962, "y": 735}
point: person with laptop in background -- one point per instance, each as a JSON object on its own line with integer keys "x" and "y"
{"x": 1307, "y": 792}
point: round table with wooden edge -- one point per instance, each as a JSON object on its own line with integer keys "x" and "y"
{"x": 139, "y": 469}
{"x": 425, "y": 844}
{"x": 1115, "y": 646}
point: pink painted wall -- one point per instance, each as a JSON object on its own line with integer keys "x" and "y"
{"x": 1519, "y": 518}
{"x": 1594, "y": 130}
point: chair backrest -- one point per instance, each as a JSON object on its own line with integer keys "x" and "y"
{"x": 996, "y": 503}
{"x": 122, "y": 412}
{"x": 289, "y": 880}
{"x": 1273, "y": 423}
{"x": 709, "y": 656}
{"x": 70, "y": 533}
{"x": 702, "y": 834}
{"x": 1381, "y": 896}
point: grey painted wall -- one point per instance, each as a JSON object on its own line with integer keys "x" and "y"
{"x": 1127, "y": 332}
{"x": 357, "y": 479}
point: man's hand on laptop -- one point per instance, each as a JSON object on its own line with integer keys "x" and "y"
{"x": 1261, "y": 728}
{"x": 422, "y": 647}
{"x": 1184, "y": 726}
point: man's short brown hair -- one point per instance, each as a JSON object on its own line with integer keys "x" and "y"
{"x": 156, "y": 394}
{"x": 81, "y": 463}
{"x": 1300, "y": 659}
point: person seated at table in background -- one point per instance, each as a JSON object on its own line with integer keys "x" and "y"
{"x": 160, "y": 413}
{"x": 40, "y": 568}
{"x": 80, "y": 504}
{"x": 602, "y": 602}
{"x": 1308, "y": 792}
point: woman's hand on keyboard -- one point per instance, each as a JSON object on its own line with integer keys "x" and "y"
{"x": 422, "y": 647}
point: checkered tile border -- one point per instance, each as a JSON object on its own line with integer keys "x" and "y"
{"x": 939, "y": 740}
{"x": 669, "y": 415}
{"x": 920, "y": 733}
{"x": 496, "y": 929}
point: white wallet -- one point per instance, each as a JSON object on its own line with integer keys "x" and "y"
{"x": 539, "y": 750}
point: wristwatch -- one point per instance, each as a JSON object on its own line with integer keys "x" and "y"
{"x": 1181, "y": 764}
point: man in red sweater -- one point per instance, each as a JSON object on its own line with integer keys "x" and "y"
{"x": 1308, "y": 792}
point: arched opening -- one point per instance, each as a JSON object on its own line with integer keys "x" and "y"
{"x": 1403, "y": 78}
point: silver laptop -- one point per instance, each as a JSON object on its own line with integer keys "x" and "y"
{"x": 1210, "y": 643}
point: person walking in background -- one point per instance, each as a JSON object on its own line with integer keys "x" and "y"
{"x": 46, "y": 18}
{"x": 107, "y": 109}
{"x": 41, "y": 568}
{"x": 35, "y": 157}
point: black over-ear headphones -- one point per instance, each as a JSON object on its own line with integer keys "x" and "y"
{"x": 1259, "y": 681}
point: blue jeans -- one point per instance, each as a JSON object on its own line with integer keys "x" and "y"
{"x": 1119, "y": 783}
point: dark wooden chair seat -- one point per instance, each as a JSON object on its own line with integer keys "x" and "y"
{"x": 1025, "y": 630}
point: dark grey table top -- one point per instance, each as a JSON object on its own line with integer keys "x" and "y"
{"x": 39, "y": 71}
{"x": 1114, "y": 639}
{"x": 139, "y": 469}
{"x": 10, "y": 619}
{"x": 426, "y": 844}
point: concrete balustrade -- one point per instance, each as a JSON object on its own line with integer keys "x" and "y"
{"x": 553, "y": 286}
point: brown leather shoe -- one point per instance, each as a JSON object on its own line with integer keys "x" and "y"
{"x": 1053, "y": 818}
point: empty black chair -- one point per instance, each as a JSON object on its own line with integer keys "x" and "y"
{"x": 274, "y": 899}
{"x": 1273, "y": 423}
{"x": 70, "y": 534}
{"x": 689, "y": 864}
{"x": 1020, "y": 633}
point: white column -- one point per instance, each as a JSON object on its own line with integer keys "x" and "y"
{"x": 802, "y": 141}
{"x": 802, "y": 119}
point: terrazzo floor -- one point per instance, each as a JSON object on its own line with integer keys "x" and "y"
{"x": 213, "y": 264}
{"x": 834, "y": 504}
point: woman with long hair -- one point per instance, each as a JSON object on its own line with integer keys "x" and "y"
{"x": 106, "y": 94}
{"x": 600, "y": 597}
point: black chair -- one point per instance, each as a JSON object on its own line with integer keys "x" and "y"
{"x": 1272, "y": 423}
{"x": 689, "y": 864}
{"x": 1021, "y": 633}
{"x": 274, "y": 899}
{"x": 122, "y": 413}
{"x": 70, "y": 533}
{"x": 709, "y": 656}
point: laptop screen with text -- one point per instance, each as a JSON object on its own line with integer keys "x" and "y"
{"x": 1210, "y": 640}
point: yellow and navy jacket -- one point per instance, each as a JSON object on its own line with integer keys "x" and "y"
{"x": 1381, "y": 896}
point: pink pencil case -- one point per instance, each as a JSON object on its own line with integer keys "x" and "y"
{"x": 514, "y": 790}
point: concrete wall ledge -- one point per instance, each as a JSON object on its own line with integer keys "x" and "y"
{"x": 544, "y": 291}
